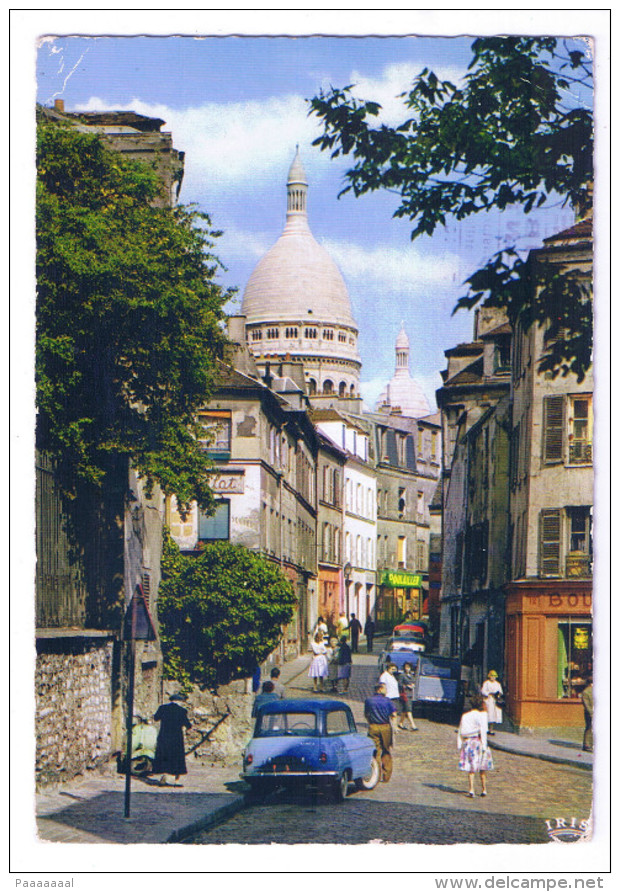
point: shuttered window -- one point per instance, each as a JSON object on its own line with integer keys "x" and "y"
{"x": 550, "y": 542}
{"x": 553, "y": 428}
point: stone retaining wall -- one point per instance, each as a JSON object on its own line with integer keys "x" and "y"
{"x": 73, "y": 723}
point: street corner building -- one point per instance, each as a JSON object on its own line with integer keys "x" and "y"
{"x": 517, "y": 493}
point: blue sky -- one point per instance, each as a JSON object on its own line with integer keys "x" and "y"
{"x": 237, "y": 107}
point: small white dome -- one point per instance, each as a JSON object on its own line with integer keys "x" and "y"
{"x": 403, "y": 392}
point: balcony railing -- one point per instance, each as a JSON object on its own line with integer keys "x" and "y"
{"x": 578, "y": 565}
{"x": 580, "y": 453}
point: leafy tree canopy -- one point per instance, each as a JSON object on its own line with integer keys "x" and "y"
{"x": 513, "y": 133}
{"x": 220, "y": 613}
{"x": 128, "y": 319}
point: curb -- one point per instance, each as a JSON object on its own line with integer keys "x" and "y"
{"x": 210, "y": 820}
{"x": 558, "y": 760}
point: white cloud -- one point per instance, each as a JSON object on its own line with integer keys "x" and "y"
{"x": 230, "y": 145}
{"x": 236, "y": 143}
{"x": 403, "y": 268}
{"x": 394, "y": 80}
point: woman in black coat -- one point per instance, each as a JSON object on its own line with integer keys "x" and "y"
{"x": 170, "y": 751}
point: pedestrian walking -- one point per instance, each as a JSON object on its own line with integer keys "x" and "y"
{"x": 474, "y": 755}
{"x": 369, "y": 632}
{"x": 379, "y": 712}
{"x": 342, "y": 627}
{"x": 333, "y": 652}
{"x": 274, "y": 678}
{"x": 345, "y": 661}
{"x": 355, "y": 627}
{"x": 170, "y": 749}
{"x": 406, "y": 687}
{"x": 587, "y": 698}
{"x": 493, "y": 694}
{"x": 392, "y": 691}
{"x": 321, "y": 626}
{"x": 266, "y": 695}
{"x": 318, "y": 667}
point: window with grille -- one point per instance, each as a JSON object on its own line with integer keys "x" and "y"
{"x": 580, "y": 430}
{"x": 217, "y": 427}
{"x": 273, "y": 334}
{"x": 328, "y": 334}
{"x": 550, "y": 542}
{"x": 310, "y": 333}
{"x": 342, "y": 337}
{"x": 290, "y": 332}
{"x": 257, "y": 335}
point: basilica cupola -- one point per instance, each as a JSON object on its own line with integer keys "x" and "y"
{"x": 297, "y": 305}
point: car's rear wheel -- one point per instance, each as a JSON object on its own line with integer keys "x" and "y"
{"x": 341, "y": 787}
{"x": 371, "y": 779}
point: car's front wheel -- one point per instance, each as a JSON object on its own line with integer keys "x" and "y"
{"x": 371, "y": 779}
{"x": 341, "y": 787}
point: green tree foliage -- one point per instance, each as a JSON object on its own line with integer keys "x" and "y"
{"x": 517, "y": 131}
{"x": 128, "y": 319}
{"x": 220, "y": 613}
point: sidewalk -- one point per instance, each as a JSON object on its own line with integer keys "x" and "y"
{"x": 548, "y": 745}
{"x": 90, "y": 808}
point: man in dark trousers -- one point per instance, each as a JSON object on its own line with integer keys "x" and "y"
{"x": 380, "y": 713}
{"x": 355, "y": 627}
{"x": 369, "y": 632}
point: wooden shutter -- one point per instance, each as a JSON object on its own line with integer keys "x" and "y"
{"x": 550, "y": 542}
{"x": 553, "y": 428}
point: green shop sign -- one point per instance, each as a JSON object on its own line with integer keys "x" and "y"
{"x": 401, "y": 579}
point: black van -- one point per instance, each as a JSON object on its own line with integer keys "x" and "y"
{"x": 438, "y": 683}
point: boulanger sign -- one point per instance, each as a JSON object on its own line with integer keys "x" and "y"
{"x": 401, "y": 579}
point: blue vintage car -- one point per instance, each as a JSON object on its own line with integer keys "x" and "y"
{"x": 399, "y": 651}
{"x": 301, "y": 742}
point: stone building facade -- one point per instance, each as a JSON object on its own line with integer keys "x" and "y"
{"x": 80, "y": 600}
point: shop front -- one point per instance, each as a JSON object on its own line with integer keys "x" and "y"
{"x": 400, "y": 592}
{"x": 330, "y": 599}
{"x": 548, "y": 651}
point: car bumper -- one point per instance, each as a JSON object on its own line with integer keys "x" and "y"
{"x": 286, "y": 774}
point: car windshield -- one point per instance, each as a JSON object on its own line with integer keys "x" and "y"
{"x": 275, "y": 724}
{"x": 439, "y": 670}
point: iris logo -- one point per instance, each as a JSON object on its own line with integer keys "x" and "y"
{"x": 569, "y": 829}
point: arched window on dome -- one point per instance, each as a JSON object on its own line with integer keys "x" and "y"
{"x": 342, "y": 388}
{"x": 352, "y": 390}
{"x": 328, "y": 386}
{"x": 311, "y": 386}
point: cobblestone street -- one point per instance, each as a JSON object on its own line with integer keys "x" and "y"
{"x": 424, "y": 802}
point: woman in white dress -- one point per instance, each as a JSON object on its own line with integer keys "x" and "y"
{"x": 474, "y": 754}
{"x": 492, "y": 691}
{"x": 319, "y": 666}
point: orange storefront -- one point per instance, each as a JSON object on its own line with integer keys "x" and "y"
{"x": 548, "y": 651}
{"x": 330, "y": 601}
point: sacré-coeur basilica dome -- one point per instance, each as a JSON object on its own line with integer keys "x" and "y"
{"x": 297, "y": 305}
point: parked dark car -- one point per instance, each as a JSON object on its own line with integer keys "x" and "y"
{"x": 297, "y": 743}
{"x": 438, "y": 682}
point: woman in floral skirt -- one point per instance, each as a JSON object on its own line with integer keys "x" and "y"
{"x": 474, "y": 755}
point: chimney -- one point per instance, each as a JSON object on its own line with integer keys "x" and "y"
{"x": 59, "y": 105}
{"x": 236, "y": 329}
